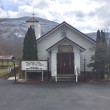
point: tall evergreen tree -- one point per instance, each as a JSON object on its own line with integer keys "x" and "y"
{"x": 104, "y": 50}
{"x": 30, "y": 46}
{"x": 108, "y": 56}
{"x": 98, "y": 52}
{"x": 99, "y": 59}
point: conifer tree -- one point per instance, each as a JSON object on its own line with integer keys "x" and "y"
{"x": 103, "y": 50}
{"x": 30, "y": 46}
{"x": 99, "y": 59}
{"x": 97, "y": 52}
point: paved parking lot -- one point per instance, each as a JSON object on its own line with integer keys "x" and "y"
{"x": 54, "y": 96}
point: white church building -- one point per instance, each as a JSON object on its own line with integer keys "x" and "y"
{"x": 64, "y": 46}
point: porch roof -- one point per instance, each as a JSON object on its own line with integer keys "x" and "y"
{"x": 65, "y": 38}
{"x": 6, "y": 57}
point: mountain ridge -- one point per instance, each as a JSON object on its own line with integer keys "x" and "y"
{"x": 19, "y": 25}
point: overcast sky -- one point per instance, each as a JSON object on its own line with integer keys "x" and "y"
{"x": 85, "y": 15}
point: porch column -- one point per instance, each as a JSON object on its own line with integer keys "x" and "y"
{"x": 54, "y": 62}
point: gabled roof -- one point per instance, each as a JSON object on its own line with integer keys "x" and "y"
{"x": 65, "y": 38}
{"x": 32, "y": 20}
{"x": 84, "y": 35}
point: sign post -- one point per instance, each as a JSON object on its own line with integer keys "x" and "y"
{"x": 14, "y": 70}
{"x": 42, "y": 76}
{"x": 34, "y": 66}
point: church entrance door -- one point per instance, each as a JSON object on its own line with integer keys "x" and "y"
{"x": 65, "y": 63}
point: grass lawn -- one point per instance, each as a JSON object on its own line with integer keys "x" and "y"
{"x": 5, "y": 63}
{"x": 11, "y": 64}
{"x": 5, "y": 70}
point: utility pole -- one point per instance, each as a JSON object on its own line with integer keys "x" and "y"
{"x": 14, "y": 70}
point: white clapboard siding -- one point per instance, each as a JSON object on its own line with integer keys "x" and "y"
{"x": 55, "y": 36}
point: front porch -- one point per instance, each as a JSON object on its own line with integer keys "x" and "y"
{"x": 64, "y": 58}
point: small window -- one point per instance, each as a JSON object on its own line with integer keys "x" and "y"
{"x": 63, "y": 32}
{"x": 33, "y": 26}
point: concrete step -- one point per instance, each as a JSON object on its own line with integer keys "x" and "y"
{"x": 66, "y": 77}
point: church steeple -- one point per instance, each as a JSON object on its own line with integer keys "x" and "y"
{"x": 34, "y": 23}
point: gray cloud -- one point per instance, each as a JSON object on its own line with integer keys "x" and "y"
{"x": 91, "y": 14}
{"x": 42, "y": 5}
{"x": 100, "y": 1}
{"x": 103, "y": 14}
{"x": 94, "y": 12}
{"x": 78, "y": 14}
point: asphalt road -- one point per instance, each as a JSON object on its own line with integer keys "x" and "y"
{"x": 54, "y": 96}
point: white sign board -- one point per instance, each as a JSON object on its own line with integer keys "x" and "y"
{"x": 34, "y": 65}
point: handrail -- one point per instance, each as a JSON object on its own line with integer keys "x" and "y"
{"x": 76, "y": 77}
{"x": 76, "y": 72}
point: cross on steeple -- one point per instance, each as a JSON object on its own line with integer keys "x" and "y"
{"x": 33, "y": 15}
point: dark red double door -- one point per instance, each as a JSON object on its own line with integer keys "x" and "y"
{"x": 65, "y": 63}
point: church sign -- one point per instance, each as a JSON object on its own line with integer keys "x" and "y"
{"x": 34, "y": 65}
{"x": 65, "y": 48}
